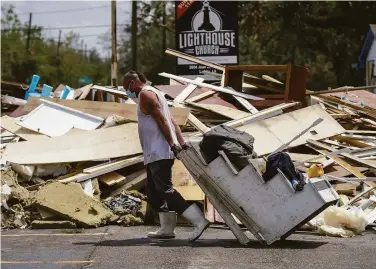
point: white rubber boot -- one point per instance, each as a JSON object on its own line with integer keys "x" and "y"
{"x": 168, "y": 223}
{"x": 197, "y": 218}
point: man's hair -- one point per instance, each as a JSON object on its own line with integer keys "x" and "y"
{"x": 134, "y": 75}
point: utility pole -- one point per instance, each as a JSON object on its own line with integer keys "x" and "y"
{"x": 82, "y": 48}
{"x": 29, "y": 33}
{"x": 163, "y": 31}
{"x": 134, "y": 35}
{"x": 58, "y": 44}
{"x": 85, "y": 52}
{"x": 114, "y": 44}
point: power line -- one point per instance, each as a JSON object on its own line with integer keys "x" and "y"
{"x": 67, "y": 10}
{"x": 66, "y": 27}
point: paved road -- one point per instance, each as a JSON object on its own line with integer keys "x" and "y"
{"x": 117, "y": 247}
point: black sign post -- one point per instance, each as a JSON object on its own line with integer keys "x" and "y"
{"x": 207, "y": 30}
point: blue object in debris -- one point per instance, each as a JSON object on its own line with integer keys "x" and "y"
{"x": 65, "y": 93}
{"x": 33, "y": 86}
{"x": 46, "y": 91}
{"x": 34, "y": 94}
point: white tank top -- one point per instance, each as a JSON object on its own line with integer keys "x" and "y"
{"x": 154, "y": 145}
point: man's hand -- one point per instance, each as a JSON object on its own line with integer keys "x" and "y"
{"x": 186, "y": 146}
{"x": 176, "y": 149}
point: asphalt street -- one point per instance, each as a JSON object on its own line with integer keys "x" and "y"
{"x": 116, "y": 247}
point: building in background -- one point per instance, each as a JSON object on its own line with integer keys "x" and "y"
{"x": 367, "y": 58}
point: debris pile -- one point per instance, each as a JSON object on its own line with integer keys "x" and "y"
{"x": 72, "y": 157}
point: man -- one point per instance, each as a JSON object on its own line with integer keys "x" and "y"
{"x": 161, "y": 139}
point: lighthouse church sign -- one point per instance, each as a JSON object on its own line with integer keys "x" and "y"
{"x": 207, "y": 30}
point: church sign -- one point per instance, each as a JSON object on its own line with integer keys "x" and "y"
{"x": 207, "y": 30}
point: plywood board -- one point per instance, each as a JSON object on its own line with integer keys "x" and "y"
{"x": 227, "y": 112}
{"x": 106, "y": 143}
{"x": 272, "y": 133}
{"x": 107, "y": 109}
{"x": 111, "y": 179}
{"x": 9, "y": 124}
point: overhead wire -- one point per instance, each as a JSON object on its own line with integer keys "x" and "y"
{"x": 69, "y": 10}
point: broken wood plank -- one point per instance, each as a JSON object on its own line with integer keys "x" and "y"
{"x": 365, "y": 110}
{"x": 82, "y": 92}
{"x": 262, "y": 113}
{"x": 195, "y": 122}
{"x": 342, "y": 89}
{"x": 111, "y": 178}
{"x": 10, "y": 124}
{"x": 246, "y": 104}
{"x": 107, "y": 109}
{"x": 353, "y": 200}
{"x": 344, "y": 154}
{"x": 351, "y": 141}
{"x": 210, "y": 86}
{"x": 116, "y": 92}
{"x": 341, "y": 162}
{"x": 117, "y": 141}
{"x": 272, "y": 133}
{"x": 264, "y": 84}
{"x": 259, "y": 68}
{"x": 187, "y": 91}
{"x": 134, "y": 181}
{"x": 102, "y": 169}
{"x": 201, "y": 96}
{"x": 193, "y": 59}
{"x": 222, "y": 110}
{"x": 345, "y": 188}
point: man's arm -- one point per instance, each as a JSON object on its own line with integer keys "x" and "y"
{"x": 179, "y": 135}
{"x": 150, "y": 104}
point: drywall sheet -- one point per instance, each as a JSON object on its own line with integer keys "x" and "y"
{"x": 56, "y": 120}
{"x": 272, "y": 133}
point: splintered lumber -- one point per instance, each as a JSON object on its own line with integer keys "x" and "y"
{"x": 102, "y": 169}
{"x": 264, "y": 84}
{"x": 227, "y": 112}
{"x": 115, "y": 92}
{"x": 351, "y": 141}
{"x": 353, "y": 200}
{"x": 9, "y": 124}
{"x": 210, "y": 86}
{"x": 260, "y": 114}
{"x": 195, "y": 122}
{"x": 344, "y": 154}
{"x": 111, "y": 179}
{"x": 118, "y": 141}
{"x": 341, "y": 162}
{"x": 343, "y": 89}
{"x": 106, "y": 109}
{"x": 345, "y": 188}
{"x": 272, "y": 133}
{"x": 246, "y": 104}
{"x": 187, "y": 91}
{"x": 368, "y": 112}
{"x": 201, "y": 96}
{"x": 134, "y": 181}
{"x": 82, "y": 92}
{"x": 194, "y": 59}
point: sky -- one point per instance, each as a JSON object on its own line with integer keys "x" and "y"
{"x": 74, "y": 13}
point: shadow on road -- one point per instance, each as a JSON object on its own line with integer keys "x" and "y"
{"x": 224, "y": 243}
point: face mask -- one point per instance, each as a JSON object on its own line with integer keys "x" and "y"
{"x": 131, "y": 94}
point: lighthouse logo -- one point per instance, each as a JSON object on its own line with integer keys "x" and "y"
{"x": 208, "y": 30}
{"x": 207, "y": 19}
